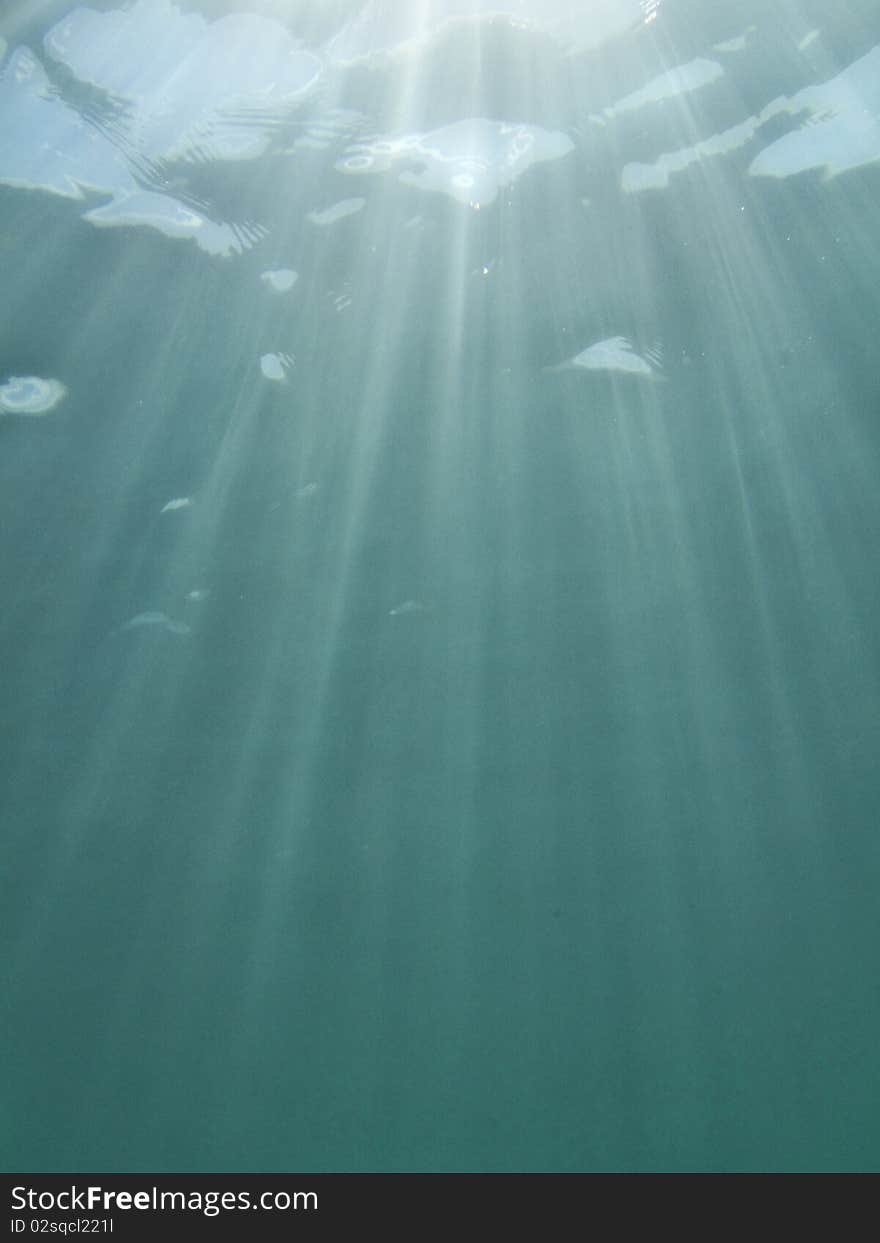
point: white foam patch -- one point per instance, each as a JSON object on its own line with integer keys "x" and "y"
{"x": 614, "y": 354}
{"x": 682, "y": 80}
{"x": 44, "y": 145}
{"x": 636, "y": 177}
{"x": 396, "y": 28}
{"x": 808, "y": 39}
{"x": 842, "y": 129}
{"x": 206, "y": 89}
{"x": 281, "y": 279}
{"x": 158, "y": 211}
{"x": 737, "y": 44}
{"x": 841, "y": 132}
{"x": 154, "y": 619}
{"x": 29, "y": 395}
{"x": 470, "y": 161}
{"x": 328, "y": 128}
{"x": 338, "y": 211}
{"x": 407, "y": 608}
{"x": 276, "y": 366}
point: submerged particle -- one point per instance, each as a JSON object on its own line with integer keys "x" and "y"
{"x": 179, "y": 502}
{"x": 29, "y": 395}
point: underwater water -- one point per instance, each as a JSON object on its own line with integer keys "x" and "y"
{"x": 439, "y": 659}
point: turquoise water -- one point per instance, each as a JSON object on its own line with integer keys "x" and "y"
{"x": 419, "y": 754}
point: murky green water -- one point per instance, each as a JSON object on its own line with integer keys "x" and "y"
{"x": 416, "y": 756}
